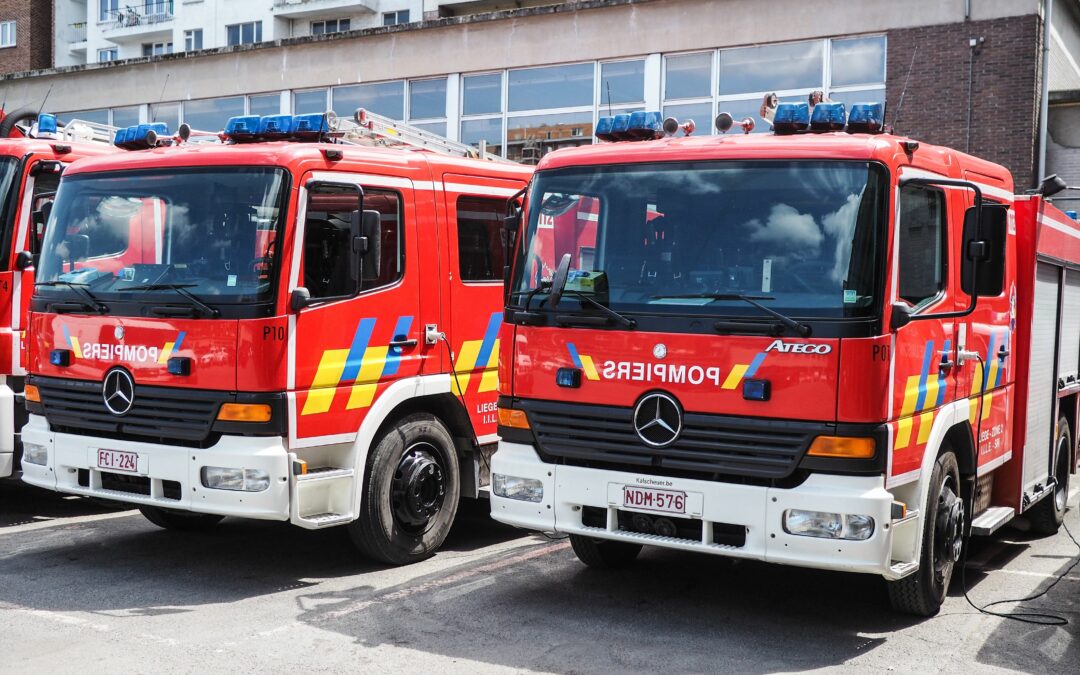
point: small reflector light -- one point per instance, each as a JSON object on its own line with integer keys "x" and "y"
{"x": 568, "y": 377}
{"x": 244, "y": 412}
{"x": 299, "y": 467}
{"x": 310, "y": 127}
{"x": 275, "y": 127}
{"x": 509, "y": 417}
{"x": 179, "y": 365}
{"x": 828, "y": 117}
{"x": 603, "y": 128}
{"x": 242, "y": 128}
{"x": 844, "y": 447}
{"x": 60, "y": 357}
{"x": 756, "y": 390}
{"x": 645, "y": 125}
{"x": 619, "y": 127}
{"x": 46, "y": 124}
{"x": 791, "y": 118}
{"x": 866, "y": 118}
{"x": 32, "y": 394}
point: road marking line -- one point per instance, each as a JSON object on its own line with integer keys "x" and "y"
{"x": 57, "y": 522}
{"x": 434, "y": 584}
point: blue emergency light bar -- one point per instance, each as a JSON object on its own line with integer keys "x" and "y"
{"x": 46, "y": 124}
{"x": 828, "y": 117}
{"x": 791, "y": 118}
{"x": 867, "y": 118}
{"x": 638, "y": 126}
{"x": 141, "y": 136}
{"x": 244, "y": 128}
{"x": 276, "y": 127}
{"x": 1072, "y": 214}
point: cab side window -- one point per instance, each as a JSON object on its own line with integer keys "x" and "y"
{"x": 327, "y": 236}
{"x": 922, "y": 256}
{"x": 481, "y": 252}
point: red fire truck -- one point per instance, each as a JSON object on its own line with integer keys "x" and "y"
{"x": 826, "y": 346}
{"x": 33, "y": 152}
{"x": 295, "y": 324}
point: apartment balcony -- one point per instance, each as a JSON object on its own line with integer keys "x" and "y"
{"x": 138, "y": 22}
{"x": 75, "y": 37}
{"x": 314, "y": 9}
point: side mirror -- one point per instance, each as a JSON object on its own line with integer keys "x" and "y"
{"x": 24, "y": 260}
{"x": 38, "y": 219}
{"x": 982, "y": 264}
{"x": 901, "y": 315}
{"x": 558, "y": 282}
{"x": 300, "y": 298}
{"x": 1051, "y": 185}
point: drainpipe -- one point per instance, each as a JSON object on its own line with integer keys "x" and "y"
{"x": 1044, "y": 100}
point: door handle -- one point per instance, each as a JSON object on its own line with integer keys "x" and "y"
{"x": 401, "y": 344}
{"x": 946, "y": 364}
{"x": 1002, "y": 352}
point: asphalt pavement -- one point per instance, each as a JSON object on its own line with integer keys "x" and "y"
{"x": 89, "y": 588}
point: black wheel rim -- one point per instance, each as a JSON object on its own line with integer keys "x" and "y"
{"x": 948, "y": 530}
{"x": 1061, "y": 474}
{"x": 419, "y": 487}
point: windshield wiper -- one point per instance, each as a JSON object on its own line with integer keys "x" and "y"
{"x": 624, "y": 320}
{"x": 90, "y": 301}
{"x": 800, "y": 328}
{"x": 182, "y": 290}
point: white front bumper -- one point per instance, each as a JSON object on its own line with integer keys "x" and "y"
{"x": 69, "y": 454}
{"x": 567, "y": 489}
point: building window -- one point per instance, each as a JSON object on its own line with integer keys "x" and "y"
{"x": 126, "y": 116}
{"x": 480, "y": 243}
{"x": 381, "y": 98}
{"x": 550, "y": 87}
{"x": 394, "y": 18}
{"x": 157, "y": 48}
{"x": 212, "y": 114}
{"x": 193, "y": 40}
{"x": 265, "y": 104}
{"x": 243, "y": 33}
{"x": 427, "y": 99}
{"x": 781, "y": 67}
{"x": 330, "y": 26}
{"x": 108, "y": 9}
{"x": 622, "y": 82}
{"x": 108, "y": 54}
{"x": 313, "y": 101}
{"x": 169, "y": 113}
{"x": 922, "y": 259}
{"x": 481, "y": 94}
{"x": 7, "y": 33}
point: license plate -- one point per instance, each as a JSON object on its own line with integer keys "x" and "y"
{"x": 115, "y": 460}
{"x": 652, "y": 499}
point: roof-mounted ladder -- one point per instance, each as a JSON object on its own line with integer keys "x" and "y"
{"x": 368, "y": 128}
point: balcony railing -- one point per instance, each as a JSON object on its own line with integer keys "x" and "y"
{"x": 76, "y": 32}
{"x": 145, "y": 14}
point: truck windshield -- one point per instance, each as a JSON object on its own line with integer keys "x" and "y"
{"x": 800, "y": 237}
{"x": 133, "y": 236}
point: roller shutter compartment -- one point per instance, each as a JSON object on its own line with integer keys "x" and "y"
{"x": 1042, "y": 380}
{"x": 1069, "y": 350}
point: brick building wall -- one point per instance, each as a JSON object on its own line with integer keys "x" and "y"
{"x": 34, "y": 35}
{"x": 1005, "y": 89}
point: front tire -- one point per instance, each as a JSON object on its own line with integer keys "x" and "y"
{"x": 411, "y": 492}
{"x": 604, "y": 555}
{"x": 184, "y": 521}
{"x": 1046, "y": 516}
{"x": 944, "y": 523}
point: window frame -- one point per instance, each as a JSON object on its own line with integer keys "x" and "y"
{"x": 497, "y": 277}
{"x": 944, "y": 269}
{"x": 256, "y": 30}
{"x": 8, "y": 30}
{"x": 190, "y": 39}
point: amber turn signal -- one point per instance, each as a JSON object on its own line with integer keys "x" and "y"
{"x": 843, "y": 447}
{"x": 244, "y": 412}
{"x": 508, "y": 417}
{"x": 32, "y": 394}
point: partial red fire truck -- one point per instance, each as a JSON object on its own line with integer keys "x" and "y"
{"x": 34, "y": 149}
{"x": 826, "y": 346}
{"x": 295, "y": 324}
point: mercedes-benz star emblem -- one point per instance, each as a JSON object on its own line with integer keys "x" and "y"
{"x": 660, "y": 350}
{"x": 118, "y": 332}
{"x": 118, "y": 391}
{"x": 657, "y": 420}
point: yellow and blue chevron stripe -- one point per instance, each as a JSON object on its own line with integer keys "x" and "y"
{"x": 742, "y": 370}
{"x": 73, "y": 343}
{"x": 479, "y": 355}
{"x": 362, "y": 364}
{"x": 583, "y": 362}
{"x": 171, "y": 348}
{"x": 923, "y": 393}
{"x": 987, "y": 378}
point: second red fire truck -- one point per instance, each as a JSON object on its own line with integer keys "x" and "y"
{"x": 278, "y": 327}
{"x": 827, "y": 346}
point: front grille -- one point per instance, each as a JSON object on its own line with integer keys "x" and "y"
{"x": 711, "y": 447}
{"x": 690, "y": 529}
{"x": 136, "y": 485}
{"x": 159, "y": 414}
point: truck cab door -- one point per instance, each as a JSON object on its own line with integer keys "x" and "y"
{"x": 924, "y": 370}
{"x": 355, "y": 338}
{"x": 475, "y": 208}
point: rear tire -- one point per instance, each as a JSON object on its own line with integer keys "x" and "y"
{"x": 180, "y": 520}
{"x": 944, "y": 524}
{"x": 1046, "y": 516}
{"x": 411, "y": 491}
{"x": 604, "y": 555}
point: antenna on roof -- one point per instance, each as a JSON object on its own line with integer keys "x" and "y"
{"x": 45, "y": 99}
{"x": 903, "y": 92}
{"x": 161, "y": 96}
{"x": 608, "y": 83}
